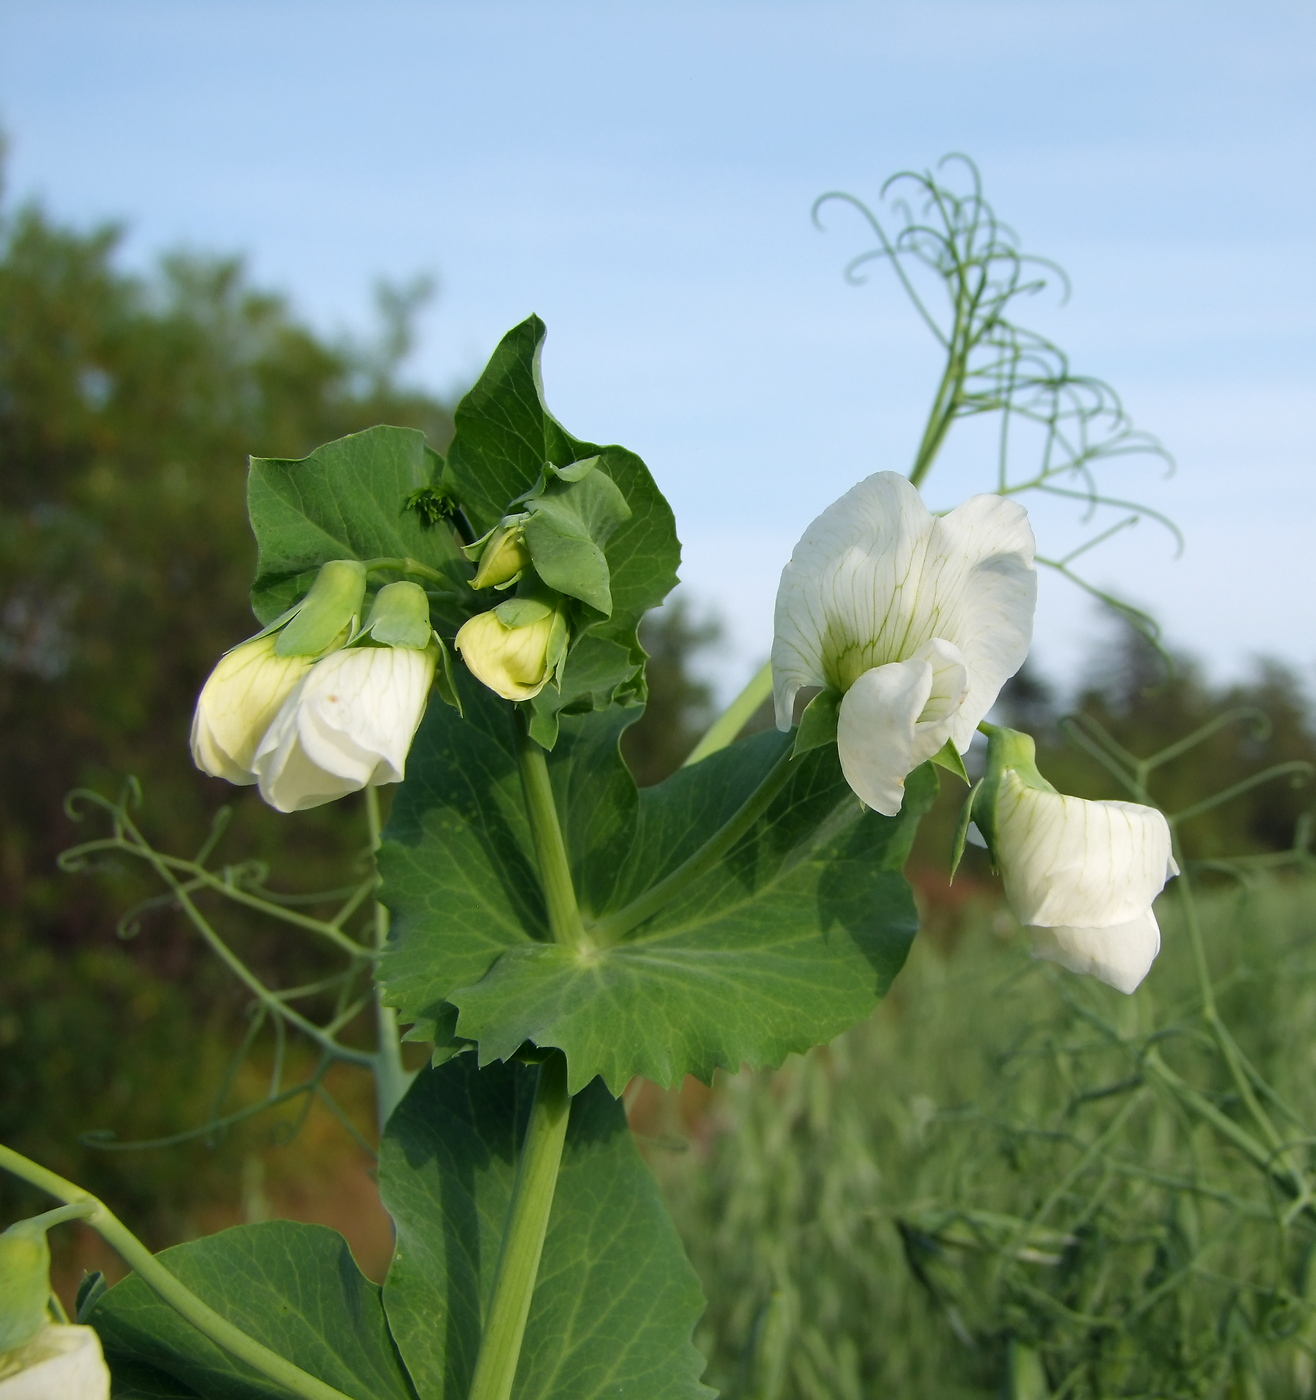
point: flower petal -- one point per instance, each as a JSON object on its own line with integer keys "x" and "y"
{"x": 348, "y": 724}
{"x": 1067, "y": 862}
{"x": 1119, "y": 954}
{"x": 895, "y": 717}
{"x": 238, "y": 703}
{"x": 980, "y": 570}
{"x": 877, "y": 576}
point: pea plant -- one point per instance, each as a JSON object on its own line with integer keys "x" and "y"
{"x": 467, "y": 627}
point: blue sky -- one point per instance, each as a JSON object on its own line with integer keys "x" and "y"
{"x": 641, "y": 174}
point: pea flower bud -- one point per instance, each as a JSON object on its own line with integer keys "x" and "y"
{"x": 1080, "y": 876}
{"x": 237, "y": 705}
{"x": 503, "y": 556}
{"x": 516, "y": 648}
{"x": 350, "y": 720}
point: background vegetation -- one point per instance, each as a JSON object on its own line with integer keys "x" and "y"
{"x": 867, "y": 1221}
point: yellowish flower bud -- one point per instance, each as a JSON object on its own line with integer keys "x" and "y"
{"x": 238, "y": 704}
{"x": 504, "y": 558}
{"x": 515, "y": 648}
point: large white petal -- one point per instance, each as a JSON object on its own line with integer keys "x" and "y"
{"x": 238, "y": 703}
{"x": 981, "y": 580}
{"x": 1119, "y": 954}
{"x": 895, "y": 717}
{"x": 349, "y": 723}
{"x": 877, "y": 576}
{"x": 846, "y": 596}
{"x": 1067, "y": 862}
{"x": 62, "y": 1362}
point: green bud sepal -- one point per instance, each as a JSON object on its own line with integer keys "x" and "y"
{"x": 330, "y": 608}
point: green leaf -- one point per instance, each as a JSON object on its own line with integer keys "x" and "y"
{"x": 505, "y": 438}
{"x": 962, "y": 825}
{"x": 294, "y": 1287}
{"x": 949, "y": 758}
{"x": 347, "y": 500}
{"x": 790, "y": 937}
{"x": 616, "y": 1300}
{"x": 568, "y": 525}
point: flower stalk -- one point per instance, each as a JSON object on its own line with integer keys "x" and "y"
{"x": 166, "y": 1286}
{"x": 523, "y": 1241}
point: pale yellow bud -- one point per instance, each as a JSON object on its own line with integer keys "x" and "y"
{"x": 515, "y": 648}
{"x": 238, "y": 704}
{"x": 504, "y": 558}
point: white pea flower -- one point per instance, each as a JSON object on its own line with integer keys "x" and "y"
{"x": 61, "y": 1361}
{"x": 914, "y": 620}
{"x": 1081, "y": 876}
{"x": 238, "y": 703}
{"x": 348, "y": 724}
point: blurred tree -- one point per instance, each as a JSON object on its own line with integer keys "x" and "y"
{"x": 681, "y": 706}
{"x": 128, "y": 405}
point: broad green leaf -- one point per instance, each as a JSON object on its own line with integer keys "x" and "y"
{"x": 134, "y": 1381}
{"x": 505, "y": 437}
{"x": 790, "y": 937}
{"x": 616, "y": 1301}
{"x": 347, "y": 500}
{"x": 294, "y": 1287}
{"x": 567, "y": 527}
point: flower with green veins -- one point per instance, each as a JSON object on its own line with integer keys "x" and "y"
{"x": 350, "y": 720}
{"x": 516, "y": 648}
{"x": 249, "y": 684}
{"x": 1080, "y": 876}
{"x": 237, "y": 705}
{"x": 909, "y": 621}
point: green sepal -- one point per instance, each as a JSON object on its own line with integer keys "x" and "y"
{"x": 818, "y": 722}
{"x": 962, "y": 829}
{"x": 1008, "y": 751}
{"x": 329, "y": 608}
{"x": 949, "y": 758}
{"x": 24, "y": 1282}
{"x": 400, "y": 617}
{"x": 521, "y": 612}
{"x": 445, "y": 675}
{"x": 544, "y": 723}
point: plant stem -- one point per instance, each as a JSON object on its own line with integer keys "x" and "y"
{"x": 523, "y": 1242}
{"x": 168, "y": 1288}
{"x": 392, "y": 1078}
{"x": 734, "y": 718}
{"x": 550, "y": 849}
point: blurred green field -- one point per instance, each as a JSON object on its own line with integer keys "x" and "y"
{"x": 990, "y": 1190}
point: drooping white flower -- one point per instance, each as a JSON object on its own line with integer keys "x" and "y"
{"x": 347, "y": 724}
{"x": 1081, "y": 877}
{"x": 238, "y": 703}
{"x": 915, "y": 620}
{"x": 61, "y": 1360}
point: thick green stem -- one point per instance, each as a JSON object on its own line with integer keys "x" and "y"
{"x": 523, "y": 1242}
{"x": 168, "y": 1288}
{"x": 550, "y": 849}
{"x": 734, "y": 718}
{"x": 392, "y": 1078}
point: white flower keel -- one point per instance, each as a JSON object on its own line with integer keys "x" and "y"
{"x": 349, "y": 723}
